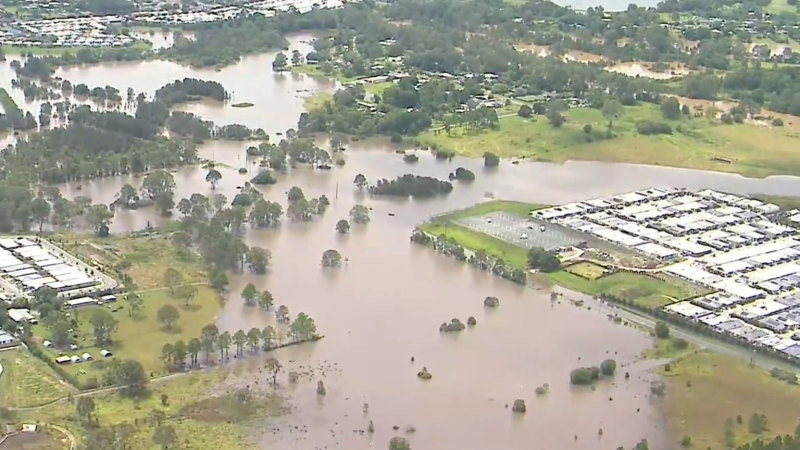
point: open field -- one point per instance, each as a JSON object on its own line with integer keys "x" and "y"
{"x": 26, "y": 381}
{"x": 641, "y": 289}
{"x": 145, "y": 258}
{"x": 517, "y": 208}
{"x": 586, "y": 270}
{"x": 705, "y": 389}
{"x": 780, "y": 6}
{"x": 754, "y": 150}
{"x": 141, "y": 337}
{"x": 194, "y": 402}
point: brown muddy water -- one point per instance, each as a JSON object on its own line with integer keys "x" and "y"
{"x": 385, "y": 305}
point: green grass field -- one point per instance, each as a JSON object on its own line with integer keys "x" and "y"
{"x": 57, "y": 51}
{"x": 705, "y": 389}
{"x": 754, "y": 150}
{"x": 142, "y": 337}
{"x": 586, "y": 270}
{"x": 26, "y": 381}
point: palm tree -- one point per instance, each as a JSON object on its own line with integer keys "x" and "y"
{"x": 268, "y": 336}
{"x": 194, "y": 347}
{"x": 253, "y": 338}
{"x": 239, "y": 338}
{"x": 224, "y": 343}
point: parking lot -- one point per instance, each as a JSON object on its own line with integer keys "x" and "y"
{"x": 526, "y": 233}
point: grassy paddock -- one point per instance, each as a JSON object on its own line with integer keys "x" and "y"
{"x": 705, "y": 389}
{"x": 141, "y": 337}
{"x": 190, "y": 400}
{"x": 26, "y": 381}
{"x": 754, "y": 150}
{"x": 586, "y": 270}
{"x": 642, "y": 289}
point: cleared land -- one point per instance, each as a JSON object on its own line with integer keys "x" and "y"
{"x": 519, "y": 231}
{"x": 705, "y": 389}
{"x": 26, "y": 381}
{"x": 753, "y": 150}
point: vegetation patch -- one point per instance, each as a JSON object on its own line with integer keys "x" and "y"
{"x": 232, "y": 408}
{"x": 632, "y": 287}
{"x": 705, "y": 390}
{"x": 26, "y": 381}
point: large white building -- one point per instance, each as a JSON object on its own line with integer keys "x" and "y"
{"x": 730, "y": 244}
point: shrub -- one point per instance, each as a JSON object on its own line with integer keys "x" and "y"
{"x": 647, "y": 127}
{"x": 541, "y": 259}
{"x": 584, "y": 375}
{"x": 608, "y": 367}
{"x": 777, "y": 122}
{"x": 680, "y": 344}
{"x": 490, "y": 159}
{"x": 263, "y": 177}
{"x": 525, "y": 111}
{"x": 662, "y": 330}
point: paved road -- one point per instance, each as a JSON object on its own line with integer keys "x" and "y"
{"x": 702, "y": 341}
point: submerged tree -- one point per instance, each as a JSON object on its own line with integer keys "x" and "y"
{"x": 331, "y": 258}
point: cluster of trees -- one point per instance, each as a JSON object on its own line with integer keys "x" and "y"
{"x": 14, "y": 118}
{"x": 588, "y": 375}
{"x": 648, "y": 127}
{"x": 411, "y": 185}
{"x": 180, "y": 354}
{"x": 498, "y": 266}
{"x": 785, "y": 442}
{"x": 252, "y": 296}
{"x": 301, "y": 209}
{"x": 222, "y": 43}
{"x": 190, "y": 90}
{"x": 542, "y": 260}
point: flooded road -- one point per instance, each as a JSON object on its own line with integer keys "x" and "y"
{"x": 386, "y": 304}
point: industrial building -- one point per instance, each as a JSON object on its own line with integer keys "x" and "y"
{"x": 736, "y": 246}
{"x": 27, "y": 264}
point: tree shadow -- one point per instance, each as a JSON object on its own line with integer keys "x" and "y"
{"x": 191, "y": 307}
{"x": 174, "y": 329}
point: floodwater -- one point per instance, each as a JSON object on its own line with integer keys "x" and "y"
{"x": 634, "y": 69}
{"x": 385, "y": 305}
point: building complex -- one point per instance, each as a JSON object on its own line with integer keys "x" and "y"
{"x": 747, "y": 252}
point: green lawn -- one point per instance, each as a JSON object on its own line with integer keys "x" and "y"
{"x": 754, "y": 150}
{"x": 26, "y": 381}
{"x": 517, "y": 208}
{"x": 705, "y": 389}
{"x": 57, "y": 51}
{"x": 317, "y": 100}
{"x": 140, "y": 338}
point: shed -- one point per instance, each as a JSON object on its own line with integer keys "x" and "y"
{"x": 87, "y": 357}
{"x": 63, "y": 360}
{"x": 47, "y": 344}
{"x": 106, "y": 354}
{"x": 75, "y": 358}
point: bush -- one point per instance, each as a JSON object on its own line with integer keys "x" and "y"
{"x": 726, "y": 118}
{"x": 584, "y": 375}
{"x": 525, "y": 111}
{"x": 490, "y": 159}
{"x": 777, "y": 122}
{"x": 662, "y": 330}
{"x": 647, "y": 127}
{"x": 608, "y": 367}
{"x": 686, "y": 441}
{"x": 758, "y": 423}
{"x": 464, "y": 174}
{"x": 263, "y": 177}
{"x": 671, "y": 108}
{"x": 587, "y": 128}
{"x": 680, "y": 344}
{"x": 410, "y": 158}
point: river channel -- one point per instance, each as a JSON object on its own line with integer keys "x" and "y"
{"x": 385, "y": 305}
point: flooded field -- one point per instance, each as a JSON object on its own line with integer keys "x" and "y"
{"x": 387, "y": 302}
{"x": 634, "y": 69}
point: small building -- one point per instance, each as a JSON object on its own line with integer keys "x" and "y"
{"x": 75, "y": 359}
{"x": 87, "y": 357}
{"x": 6, "y": 340}
{"x": 79, "y": 302}
{"x": 63, "y": 360}
{"x": 21, "y": 315}
{"x": 47, "y": 344}
{"x": 106, "y": 354}
{"x": 108, "y": 299}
